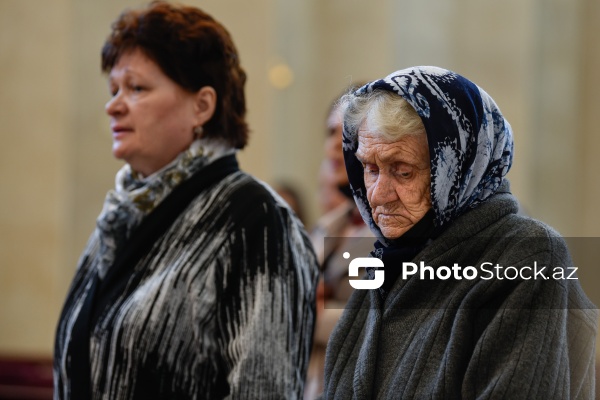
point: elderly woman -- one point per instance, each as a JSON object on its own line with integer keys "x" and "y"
{"x": 198, "y": 282}
{"x": 427, "y": 152}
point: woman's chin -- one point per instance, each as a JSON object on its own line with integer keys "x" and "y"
{"x": 393, "y": 233}
{"x": 119, "y": 151}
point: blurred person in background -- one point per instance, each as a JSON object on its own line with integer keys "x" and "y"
{"x": 427, "y": 152}
{"x": 291, "y": 196}
{"x": 338, "y": 230}
{"x": 197, "y": 282}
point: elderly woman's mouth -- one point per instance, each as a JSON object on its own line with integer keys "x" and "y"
{"x": 387, "y": 215}
{"x": 388, "y": 219}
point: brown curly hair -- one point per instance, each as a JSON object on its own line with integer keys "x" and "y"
{"x": 192, "y": 49}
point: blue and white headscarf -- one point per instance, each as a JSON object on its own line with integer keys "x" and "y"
{"x": 470, "y": 142}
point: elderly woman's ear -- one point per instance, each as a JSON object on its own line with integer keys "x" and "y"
{"x": 206, "y": 103}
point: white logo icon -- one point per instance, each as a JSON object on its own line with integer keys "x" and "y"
{"x": 365, "y": 262}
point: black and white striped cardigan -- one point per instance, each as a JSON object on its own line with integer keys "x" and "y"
{"x": 213, "y": 297}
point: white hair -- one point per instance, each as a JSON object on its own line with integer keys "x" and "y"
{"x": 383, "y": 112}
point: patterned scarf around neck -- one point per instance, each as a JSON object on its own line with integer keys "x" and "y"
{"x": 135, "y": 197}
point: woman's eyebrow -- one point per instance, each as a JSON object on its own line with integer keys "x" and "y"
{"x": 359, "y": 155}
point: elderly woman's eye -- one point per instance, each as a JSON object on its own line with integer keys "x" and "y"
{"x": 404, "y": 173}
{"x": 370, "y": 169}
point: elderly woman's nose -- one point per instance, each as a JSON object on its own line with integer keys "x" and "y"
{"x": 383, "y": 191}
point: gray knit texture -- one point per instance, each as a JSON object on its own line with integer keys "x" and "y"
{"x": 471, "y": 339}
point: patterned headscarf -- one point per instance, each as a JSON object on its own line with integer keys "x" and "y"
{"x": 470, "y": 142}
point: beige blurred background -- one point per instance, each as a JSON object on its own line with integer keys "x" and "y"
{"x": 537, "y": 58}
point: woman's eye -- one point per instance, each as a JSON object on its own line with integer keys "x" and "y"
{"x": 137, "y": 88}
{"x": 371, "y": 169}
{"x": 404, "y": 173}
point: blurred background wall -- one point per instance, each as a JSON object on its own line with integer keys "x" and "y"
{"x": 537, "y": 58}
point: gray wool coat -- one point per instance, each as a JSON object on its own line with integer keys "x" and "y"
{"x": 471, "y": 339}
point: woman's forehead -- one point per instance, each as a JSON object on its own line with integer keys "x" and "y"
{"x": 408, "y": 148}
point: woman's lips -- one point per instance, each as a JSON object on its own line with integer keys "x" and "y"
{"x": 119, "y": 131}
{"x": 386, "y": 218}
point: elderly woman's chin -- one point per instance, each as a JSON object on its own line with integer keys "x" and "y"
{"x": 391, "y": 227}
{"x": 394, "y": 226}
{"x": 392, "y": 233}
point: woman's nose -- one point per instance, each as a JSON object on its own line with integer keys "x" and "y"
{"x": 115, "y": 105}
{"x": 383, "y": 191}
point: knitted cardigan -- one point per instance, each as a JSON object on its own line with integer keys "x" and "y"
{"x": 213, "y": 297}
{"x": 471, "y": 339}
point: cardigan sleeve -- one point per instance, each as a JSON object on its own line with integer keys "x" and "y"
{"x": 540, "y": 341}
{"x": 266, "y": 315}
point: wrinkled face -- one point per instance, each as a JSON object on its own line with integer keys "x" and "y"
{"x": 151, "y": 117}
{"x": 397, "y": 178}
{"x": 334, "y": 153}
